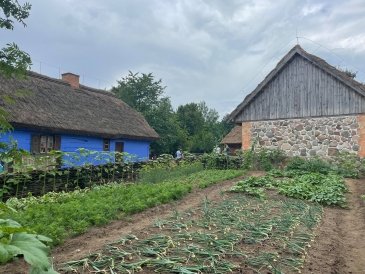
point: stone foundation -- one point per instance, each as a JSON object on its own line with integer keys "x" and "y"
{"x": 324, "y": 137}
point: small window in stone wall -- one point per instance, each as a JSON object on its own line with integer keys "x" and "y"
{"x": 106, "y": 145}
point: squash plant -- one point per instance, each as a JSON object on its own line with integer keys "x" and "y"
{"x": 16, "y": 240}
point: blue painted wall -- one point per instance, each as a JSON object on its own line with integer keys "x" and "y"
{"x": 138, "y": 149}
{"x": 22, "y": 137}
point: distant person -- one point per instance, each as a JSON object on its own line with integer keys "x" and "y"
{"x": 178, "y": 154}
{"x": 227, "y": 150}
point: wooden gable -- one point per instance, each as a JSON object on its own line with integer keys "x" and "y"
{"x": 301, "y": 86}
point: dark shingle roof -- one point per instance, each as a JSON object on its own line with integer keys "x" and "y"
{"x": 53, "y": 105}
{"x": 234, "y": 136}
{"x": 320, "y": 63}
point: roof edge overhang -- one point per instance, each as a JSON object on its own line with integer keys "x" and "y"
{"x": 53, "y": 130}
{"x": 232, "y": 143}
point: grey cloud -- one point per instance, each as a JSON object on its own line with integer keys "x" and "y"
{"x": 211, "y": 50}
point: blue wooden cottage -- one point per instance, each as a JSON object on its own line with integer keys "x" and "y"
{"x": 65, "y": 115}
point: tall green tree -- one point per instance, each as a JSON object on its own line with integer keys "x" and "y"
{"x": 172, "y": 136}
{"x": 210, "y": 115}
{"x": 202, "y": 124}
{"x": 190, "y": 118}
{"x": 193, "y": 127}
{"x": 146, "y": 95}
{"x": 226, "y": 125}
{"x": 141, "y": 91}
{"x": 12, "y": 59}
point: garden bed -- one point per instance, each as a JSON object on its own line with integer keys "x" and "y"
{"x": 63, "y": 215}
{"x": 236, "y": 233}
{"x": 330, "y": 246}
{"x": 336, "y": 246}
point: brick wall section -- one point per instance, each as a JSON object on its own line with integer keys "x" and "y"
{"x": 361, "y": 122}
{"x": 246, "y": 135}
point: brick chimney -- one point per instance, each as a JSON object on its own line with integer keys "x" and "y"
{"x": 72, "y": 79}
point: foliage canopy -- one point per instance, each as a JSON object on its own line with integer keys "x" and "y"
{"x": 193, "y": 127}
{"x": 12, "y": 59}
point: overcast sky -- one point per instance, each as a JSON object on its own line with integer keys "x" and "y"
{"x": 211, "y": 50}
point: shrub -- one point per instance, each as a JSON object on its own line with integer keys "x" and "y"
{"x": 222, "y": 161}
{"x": 266, "y": 159}
{"x": 315, "y": 164}
{"x": 348, "y": 165}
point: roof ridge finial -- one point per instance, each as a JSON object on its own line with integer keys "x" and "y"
{"x": 296, "y": 33}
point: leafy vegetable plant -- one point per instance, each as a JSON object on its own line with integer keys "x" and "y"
{"x": 327, "y": 189}
{"x": 62, "y": 215}
{"x": 16, "y": 240}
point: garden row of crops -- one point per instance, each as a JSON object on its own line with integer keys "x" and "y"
{"x": 70, "y": 171}
{"x": 252, "y": 229}
{"x": 239, "y": 233}
{"x": 62, "y": 215}
{"x": 327, "y": 189}
{"x": 65, "y": 214}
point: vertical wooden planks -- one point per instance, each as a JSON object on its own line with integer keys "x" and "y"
{"x": 301, "y": 89}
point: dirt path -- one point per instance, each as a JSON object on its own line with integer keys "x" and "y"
{"x": 340, "y": 239}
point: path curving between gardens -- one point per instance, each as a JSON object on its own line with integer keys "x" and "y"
{"x": 339, "y": 245}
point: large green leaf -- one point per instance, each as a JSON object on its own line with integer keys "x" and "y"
{"x": 34, "y": 251}
{"x": 8, "y": 223}
{"x": 5, "y": 208}
{"x": 5, "y": 254}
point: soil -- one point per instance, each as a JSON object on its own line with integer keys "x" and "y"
{"x": 339, "y": 245}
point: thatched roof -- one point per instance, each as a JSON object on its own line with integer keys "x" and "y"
{"x": 320, "y": 63}
{"x": 234, "y": 136}
{"x": 52, "y": 105}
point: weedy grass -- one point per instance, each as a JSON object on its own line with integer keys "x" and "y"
{"x": 62, "y": 215}
{"x": 238, "y": 234}
{"x": 313, "y": 165}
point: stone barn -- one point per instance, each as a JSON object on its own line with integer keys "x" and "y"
{"x": 304, "y": 107}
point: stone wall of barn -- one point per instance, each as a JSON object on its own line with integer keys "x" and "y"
{"x": 323, "y": 136}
